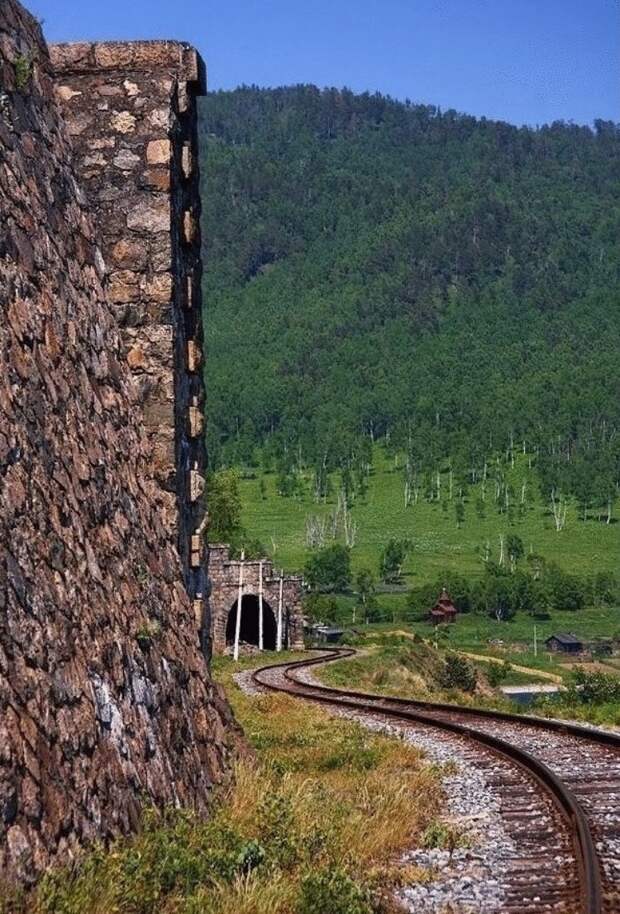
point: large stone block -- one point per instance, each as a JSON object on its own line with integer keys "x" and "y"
{"x": 158, "y": 152}
{"x": 151, "y": 215}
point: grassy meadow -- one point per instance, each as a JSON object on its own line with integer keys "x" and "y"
{"x": 473, "y": 633}
{"x": 438, "y": 543}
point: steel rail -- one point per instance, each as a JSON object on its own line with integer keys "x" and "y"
{"x": 591, "y": 893}
{"x": 605, "y": 737}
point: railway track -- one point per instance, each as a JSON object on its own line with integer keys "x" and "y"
{"x": 559, "y": 785}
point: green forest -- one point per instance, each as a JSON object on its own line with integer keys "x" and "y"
{"x": 447, "y": 286}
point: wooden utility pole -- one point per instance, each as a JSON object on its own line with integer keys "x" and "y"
{"x": 279, "y": 632}
{"x": 239, "y": 602}
{"x": 260, "y": 607}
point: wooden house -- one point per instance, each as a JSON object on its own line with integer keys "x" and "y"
{"x": 564, "y": 643}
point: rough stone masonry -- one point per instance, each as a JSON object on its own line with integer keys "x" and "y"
{"x": 130, "y": 109}
{"x": 105, "y": 696}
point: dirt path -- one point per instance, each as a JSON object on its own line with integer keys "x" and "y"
{"x": 539, "y": 674}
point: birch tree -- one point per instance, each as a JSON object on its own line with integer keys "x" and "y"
{"x": 559, "y": 507}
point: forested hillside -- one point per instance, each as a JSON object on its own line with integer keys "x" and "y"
{"x": 381, "y": 268}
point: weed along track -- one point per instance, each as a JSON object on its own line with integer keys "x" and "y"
{"x": 558, "y": 783}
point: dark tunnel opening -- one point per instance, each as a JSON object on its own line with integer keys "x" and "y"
{"x": 249, "y": 623}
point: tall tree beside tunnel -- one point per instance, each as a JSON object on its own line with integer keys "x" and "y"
{"x": 329, "y": 569}
{"x": 224, "y": 507}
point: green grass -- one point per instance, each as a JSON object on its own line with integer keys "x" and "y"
{"x": 514, "y": 678}
{"x": 439, "y": 545}
{"x": 223, "y": 667}
{"x": 473, "y": 633}
{"x": 392, "y": 664}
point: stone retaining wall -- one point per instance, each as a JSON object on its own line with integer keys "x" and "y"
{"x": 105, "y": 696}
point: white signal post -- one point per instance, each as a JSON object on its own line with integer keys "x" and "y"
{"x": 260, "y": 607}
{"x": 279, "y": 632}
{"x": 239, "y": 602}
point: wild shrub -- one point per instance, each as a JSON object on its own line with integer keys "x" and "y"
{"x": 497, "y": 673}
{"x": 457, "y": 673}
{"x": 23, "y": 71}
{"x": 332, "y": 891}
{"x": 594, "y": 697}
{"x": 593, "y": 688}
{"x": 443, "y": 836}
{"x": 277, "y": 828}
{"x": 175, "y": 852}
{"x": 354, "y": 752}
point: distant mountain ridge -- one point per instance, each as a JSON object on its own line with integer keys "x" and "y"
{"x": 379, "y": 267}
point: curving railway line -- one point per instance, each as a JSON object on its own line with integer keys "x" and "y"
{"x": 559, "y": 785}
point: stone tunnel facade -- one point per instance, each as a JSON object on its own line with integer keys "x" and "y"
{"x": 282, "y": 595}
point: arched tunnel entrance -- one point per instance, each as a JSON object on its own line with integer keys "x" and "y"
{"x": 249, "y": 623}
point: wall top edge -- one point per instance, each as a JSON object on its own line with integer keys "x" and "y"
{"x": 89, "y": 57}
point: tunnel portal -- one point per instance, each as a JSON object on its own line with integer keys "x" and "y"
{"x": 250, "y": 623}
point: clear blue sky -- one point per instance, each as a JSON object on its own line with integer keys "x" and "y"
{"x": 525, "y": 61}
